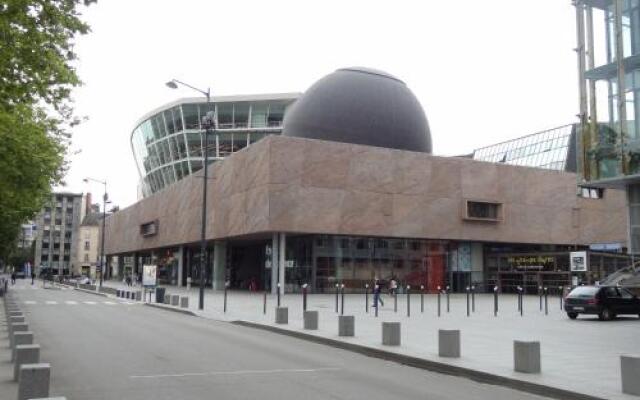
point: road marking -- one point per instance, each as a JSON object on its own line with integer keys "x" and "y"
{"x": 51, "y": 302}
{"x": 71, "y": 302}
{"x": 110, "y": 303}
{"x": 126, "y": 303}
{"x": 29, "y": 302}
{"x": 90, "y": 302}
{"x": 241, "y": 372}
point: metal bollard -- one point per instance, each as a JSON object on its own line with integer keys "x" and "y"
{"x": 421, "y": 298}
{"x": 438, "y": 301}
{"x": 337, "y": 294}
{"x": 366, "y": 298}
{"x": 395, "y": 300}
{"x": 448, "y": 298}
{"x": 495, "y": 301}
{"x": 473, "y": 299}
{"x": 546, "y": 301}
{"x": 264, "y": 303}
{"x": 304, "y": 297}
{"x": 342, "y": 297}
{"x": 561, "y": 298}
{"x": 408, "y": 301}
{"x": 278, "y": 292}
{"x": 226, "y": 287}
{"x": 468, "y": 290}
{"x": 540, "y": 295}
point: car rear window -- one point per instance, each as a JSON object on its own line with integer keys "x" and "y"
{"x": 584, "y": 291}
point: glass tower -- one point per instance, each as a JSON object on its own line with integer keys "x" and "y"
{"x": 168, "y": 142}
{"x": 608, "y": 52}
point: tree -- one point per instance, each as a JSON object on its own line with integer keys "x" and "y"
{"x": 36, "y": 113}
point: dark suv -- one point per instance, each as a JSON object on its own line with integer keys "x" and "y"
{"x": 604, "y": 301}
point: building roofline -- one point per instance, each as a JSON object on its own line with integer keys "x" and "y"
{"x": 218, "y": 99}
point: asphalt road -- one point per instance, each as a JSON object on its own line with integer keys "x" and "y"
{"x": 113, "y": 350}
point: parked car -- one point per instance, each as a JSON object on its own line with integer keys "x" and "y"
{"x": 604, "y": 301}
{"x": 84, "y": 280}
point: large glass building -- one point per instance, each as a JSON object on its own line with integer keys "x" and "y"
{"x": 608, "y": 38}
{"x": 167, "y": 143}
{"x": 550, "y": 149}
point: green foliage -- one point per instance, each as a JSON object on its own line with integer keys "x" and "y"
{"x": 36, "y": 79}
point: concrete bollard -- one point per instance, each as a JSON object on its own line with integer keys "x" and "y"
{"x": 18, "y": 327}
{"x": 15, "y": 314}
{"x": 310, "y": 320}
{"x": 118, "y": 293}
{"x": 34, "y": 381}
{"x": 526, "y": 356}
{"x": 449, "y": 343}
{"x": 128, "y": 295}
{"x": 139, "y": 295}
{"x": 391, "y": 333}
{"x": 630, "y": 371}
{"x": 184, "y": 302}
{"x": 16, "y": 319}
{"x": 25, "y": 354}
{"x": 167, "y": 299}
{"x": 282, "y": 315}
{"x": 19, "y": 339}
{"x": 175, "y": 300}
{"x": 346, "y": 325}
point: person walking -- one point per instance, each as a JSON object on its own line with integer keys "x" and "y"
{"x": 33, "y": 277}
{"x": 393, "y": 287}
{"x": 13, "y": 277}
{"x": 377, "y": 296}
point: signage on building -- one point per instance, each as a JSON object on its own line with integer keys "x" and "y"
{"x": 579, "y": 261}
{"x": 531, "y": 263}
{"x": 606, "y": 247}
{"x": 149, "y": 275}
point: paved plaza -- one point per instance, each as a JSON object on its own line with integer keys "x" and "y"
{"x": 582, "y": 355}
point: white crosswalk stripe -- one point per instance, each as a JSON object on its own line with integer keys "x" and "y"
{"x": 109, "y": 303}
{"x": 90, "y": 302}
{"x": 71, "y": 302}
{"x": 29, "y": 302}
{"x": 51, "y": 302}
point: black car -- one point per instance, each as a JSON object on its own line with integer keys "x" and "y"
{"x": 604, "y": 301}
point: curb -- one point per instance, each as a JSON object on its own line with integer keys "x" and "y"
{"x": 91, "y": 292}
{"x": 434, "y": 366}
{"x": 169, "y": 308}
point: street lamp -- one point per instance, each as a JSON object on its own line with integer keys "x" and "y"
{"x": 208, "y": 122}
{"x": 104, "y": 217}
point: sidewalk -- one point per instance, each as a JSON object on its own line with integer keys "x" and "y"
{"x": 581, "y": 356}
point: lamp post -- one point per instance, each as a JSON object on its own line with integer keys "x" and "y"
{"x": 209, "y": 125}
{"x": 104, "y": 218}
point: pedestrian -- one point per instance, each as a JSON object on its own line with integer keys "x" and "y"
{"x": 377, "y": 296}
{"x": 13, "y": 278}
{"x": 33, "y": 277}
{"x": 393, "y": 286}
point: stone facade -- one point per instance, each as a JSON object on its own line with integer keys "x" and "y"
{"x": 295, "y": 185}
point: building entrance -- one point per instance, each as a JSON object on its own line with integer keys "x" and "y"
{"x": 246, "y": 266}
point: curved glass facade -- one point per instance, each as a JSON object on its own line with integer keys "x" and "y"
{"x": 168, "y": 145}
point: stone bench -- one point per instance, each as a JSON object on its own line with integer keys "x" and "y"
{"x": 282, "y": 315}
{"x": 184, "y": 302}
{"x": 391, "y": 333}
{"x": 526, "y": 356}
{"x": 33, "y": 381}
{"x": 449, "y": 343}
{"x": 175, "y": 300}
{"x": 346, "y": 325}
{"x": 310, "y": 320}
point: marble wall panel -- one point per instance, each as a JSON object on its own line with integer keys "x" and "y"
{"x": 286, "y": 160}
{"x": 481, "y": 186}
{"x": 326, "y": 164}
{"x": 445, "y": 177}
{"x": 411, "y": 173}
{"x": 409, "y": 215}
{"x": 367, "y": 213}
{"x": 371, "y": 170}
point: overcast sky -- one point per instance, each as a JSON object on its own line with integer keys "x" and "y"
{"x": 484, "y": 71}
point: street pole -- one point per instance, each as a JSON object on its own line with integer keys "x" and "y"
{"x": 104, "y": 219}
{"x": 209, "y": 127}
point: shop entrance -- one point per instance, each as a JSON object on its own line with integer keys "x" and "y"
{"x": 246, "y": 263}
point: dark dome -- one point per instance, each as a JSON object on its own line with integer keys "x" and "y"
{"x": 361, "y": 106}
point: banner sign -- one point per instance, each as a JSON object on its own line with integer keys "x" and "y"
{"x": 579, "y": 261}
{"x": 149, "y": 275}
